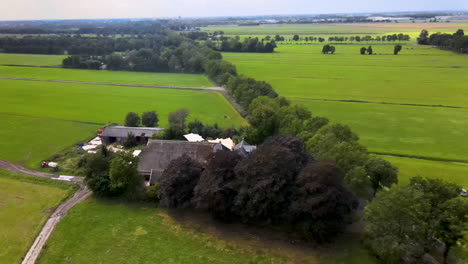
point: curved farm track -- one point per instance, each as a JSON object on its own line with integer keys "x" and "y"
{"x": 82, "y": 193}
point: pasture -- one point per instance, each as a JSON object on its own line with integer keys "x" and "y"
{"x": 125, "y": 233}
{"x": 31, "y": 59}
{"x": 418, "y": 75}
{"x": 25, "y": 204}
{"x": 29, "y": 140}
{"x": 110, "y": 104}
{"x": 448, "y": 171}
{"x": 44, "y": 118}
{"x": 168, "y": 79}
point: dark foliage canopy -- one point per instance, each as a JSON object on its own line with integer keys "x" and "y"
{"x": 178, "y": 182}
{"x": 217, "y": 187}
{"x": 321, "y": 205}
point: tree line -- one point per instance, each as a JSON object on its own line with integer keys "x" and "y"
{"x": 247, "y": 45}
{"x": 457, "y": 41}
{"x": 392, "y": 37}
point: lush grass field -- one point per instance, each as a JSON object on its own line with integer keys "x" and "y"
{"x": 43, "y": 118}
{"x": 339, "y": 29}
{"x": 31, "y": 59}
{"x": 119, "y": 233}
{"x": 448, "y": 171}
{"x": 414, "y": 76}
{"x": 171, "y": 79}
{"x": 404, "y": 130}
{"x": 25, "y": 205}
{"x": 105, "y": 104}
{"x": 419, "y": 75}
{"x": 28, "y": 140}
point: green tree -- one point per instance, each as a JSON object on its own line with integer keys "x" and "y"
{"x": 132, "y": 120}
{"x": 363, "y": 51}
{"x": 296, "y": 37}
{"x": 369, "y": 50}
{"x": 131, "y": 141}
{"x": 123, "y": 174}
{"x": 423, "y": 38}
{"x": 177, "y": 127}
{"x": 95, "y": 168}
{"x": 397, "y": 49}
{"x": 381, "y": 173}
{"x": 453, "y": 222}
{"x": 149, "y": 119}
{"x": 358, "y": 181}
{"x": 396, "y": 224}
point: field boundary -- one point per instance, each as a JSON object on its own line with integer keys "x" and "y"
{"x": 374, "y": 102}
{"x": 118, "y": 84}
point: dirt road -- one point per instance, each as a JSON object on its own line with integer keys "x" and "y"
{"x": 59, "y": 212}
{"x": 120, "y": 84}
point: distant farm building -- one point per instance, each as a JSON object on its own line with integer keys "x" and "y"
{"x": 244, "y": 148}
{"x": 118, "y": 134}
{"x": 159, "y": 153}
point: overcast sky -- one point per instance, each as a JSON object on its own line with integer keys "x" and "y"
{"x": 73, "y": 9}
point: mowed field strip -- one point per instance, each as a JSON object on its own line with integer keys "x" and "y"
{"x": 166, "y": 79}
{"x": 25, "y": 204}
{"x": 419, "y": 75}
{"x": 31, "y": 59}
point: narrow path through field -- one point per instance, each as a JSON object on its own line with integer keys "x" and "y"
{"x": 371, "y": 102}
{"x": 119, "y": 84}
{"x": 59, "y": 213}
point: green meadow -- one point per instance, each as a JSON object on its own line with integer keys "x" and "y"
{"x": 412, "y": 77}
{"x": 43, "y": 118}
{"x": 418, "y": 75}
{"x": 170, "y": 79}
{"x": 25, "y": 204}
{"x": 448, "y": 171}
{"x": 431, "y": 132}
{"x": 126, "y": 233}
{"x": 107, "y": 103}
{"x": 31, "y": 59}
{"x": 29, "y": 140}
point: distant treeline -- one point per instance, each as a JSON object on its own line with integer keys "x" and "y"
{"x": 457, "y": 42}
{"x": 247, "y": 45}
{"x": 98, "y": 27}
{"x": 89, "y": 46}
{"x": 182, "y": 55}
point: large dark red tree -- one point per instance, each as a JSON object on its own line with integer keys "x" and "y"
{"x": 216, "y": 189}
{"x": 178, "y": 182}
{"x": 321, "y": 206}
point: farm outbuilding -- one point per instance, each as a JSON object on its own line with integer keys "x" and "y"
{"x": 159, "y": 153}
{"x": 118, "y": 134}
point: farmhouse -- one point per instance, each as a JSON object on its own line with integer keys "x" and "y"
{"x": 118, "y": 134}
{"x": 159, "y": 153}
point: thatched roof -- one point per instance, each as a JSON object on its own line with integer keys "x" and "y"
{"x": 159, "y": 153}
{"x": 122, "y": 132}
